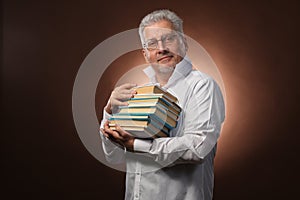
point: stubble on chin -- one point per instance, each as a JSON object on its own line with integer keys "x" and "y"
{"x": 165, "y": 70}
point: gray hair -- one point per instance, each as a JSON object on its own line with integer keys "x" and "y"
{"x": 157, "y": 16}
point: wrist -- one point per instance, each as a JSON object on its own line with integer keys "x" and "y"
{"x": 129, "y": 145}
{"x": 108, "y": 108}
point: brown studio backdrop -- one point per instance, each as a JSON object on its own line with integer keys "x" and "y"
{"x": 254, "y": 45}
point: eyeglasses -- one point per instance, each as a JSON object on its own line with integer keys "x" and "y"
{"x": 167, "y": 39}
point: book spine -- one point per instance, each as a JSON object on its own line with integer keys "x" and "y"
{"x": 163, "y": 122}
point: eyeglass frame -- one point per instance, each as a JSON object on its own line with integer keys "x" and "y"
{"x": 163, "y": 39}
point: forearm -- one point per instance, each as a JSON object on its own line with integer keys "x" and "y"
{"x": 189, "y": 148}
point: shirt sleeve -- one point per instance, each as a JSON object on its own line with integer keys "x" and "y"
{"x": 114, "y": 153}
{"x": 203, "y": 115}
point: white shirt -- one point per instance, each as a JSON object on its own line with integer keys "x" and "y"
{"x": 180, "y": 166}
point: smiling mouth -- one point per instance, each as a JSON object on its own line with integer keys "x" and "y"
{"x": 164, "y": 58}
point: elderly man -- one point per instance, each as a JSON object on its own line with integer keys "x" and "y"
{"x": 179, "y": 166}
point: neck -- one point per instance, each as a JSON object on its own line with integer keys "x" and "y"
{"x": 163, "y": 78}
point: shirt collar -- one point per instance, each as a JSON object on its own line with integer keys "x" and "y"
{"x": 182, "y": 69}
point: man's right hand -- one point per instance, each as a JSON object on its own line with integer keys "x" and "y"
{"x": 119, "y": 96}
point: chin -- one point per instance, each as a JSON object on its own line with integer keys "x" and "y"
{"x": 166, "y": 69}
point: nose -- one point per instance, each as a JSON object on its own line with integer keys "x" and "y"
{"x": 161, "y": 46}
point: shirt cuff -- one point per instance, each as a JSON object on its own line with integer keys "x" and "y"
{"x": 142, "y": 145}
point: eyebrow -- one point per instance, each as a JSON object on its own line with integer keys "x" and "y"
{"x": 160, "y": 36}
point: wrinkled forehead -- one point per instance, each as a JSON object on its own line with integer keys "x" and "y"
{"x": 157, "y": 32}
{"x": 157, "y": 29}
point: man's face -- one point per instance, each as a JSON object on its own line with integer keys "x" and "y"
{"x": 164, "y": 47}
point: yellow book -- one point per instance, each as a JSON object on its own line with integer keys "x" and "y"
{"x": 153, "y": 125}
{"x": 142, "y": 132}
{"x": 141, "y": 100}
{"x": 144, "y": 109}
{"x": 150, "y": 89}
{"x": 157, "y": 115}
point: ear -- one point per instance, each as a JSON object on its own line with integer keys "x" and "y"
{"x": 145, "y": 54}
{"x": 185, "y": 43}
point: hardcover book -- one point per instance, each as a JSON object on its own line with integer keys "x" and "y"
{"x": 151, "y": 113}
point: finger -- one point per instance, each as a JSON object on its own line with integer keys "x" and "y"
{"x": 128, "y": 86}
{"x": 116, "y": 135}
{"x": 112, "y": 133}
{"x": 104, "y": 133}
{"x": 122, "y": 132}
{"x": 116, "y": 103}
{"x": 107, "y": 130}
{"x": 123, "y": 96}
{"x": 125, "y": 91}
{"x": 106, "y": 124}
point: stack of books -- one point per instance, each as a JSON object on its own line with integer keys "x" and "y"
{"x": 152, "y": 112}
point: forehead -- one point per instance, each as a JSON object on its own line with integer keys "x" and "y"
{"x": 158, "y": 29}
